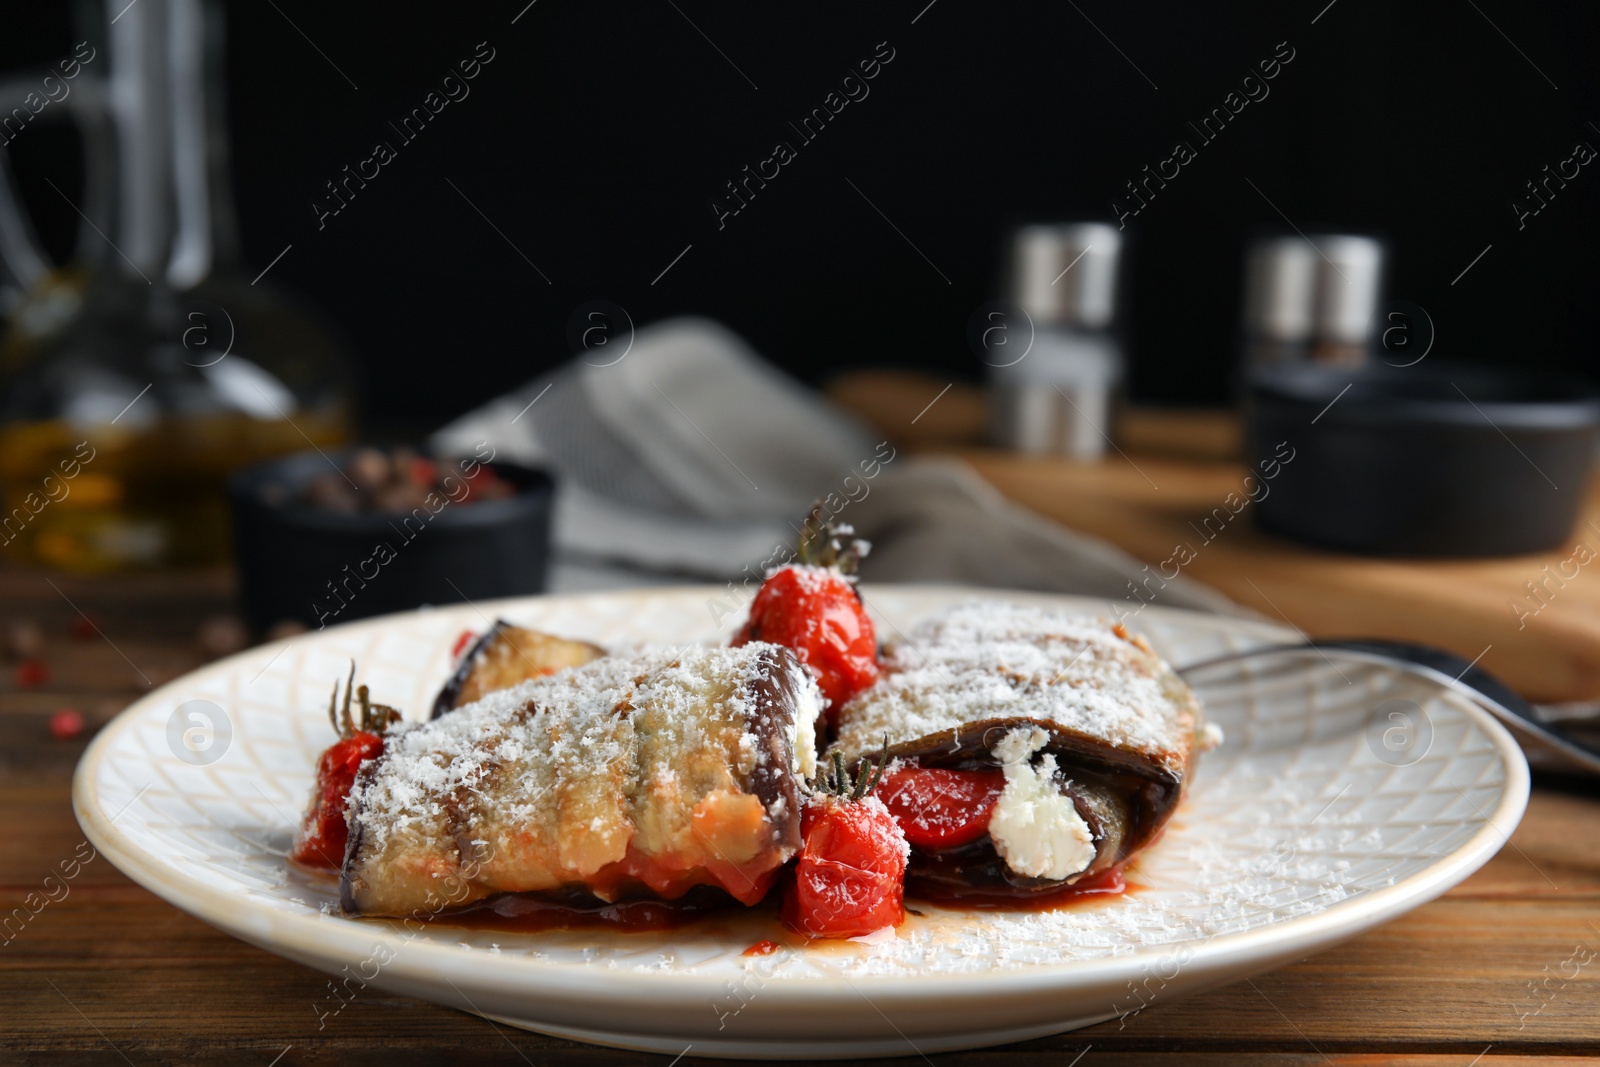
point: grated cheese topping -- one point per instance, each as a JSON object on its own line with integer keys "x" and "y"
{"x": 993, "y": 660}
{"x": 559, "y": 776}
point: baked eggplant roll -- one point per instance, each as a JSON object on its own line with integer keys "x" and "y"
{"x": 632, "y": 776}
{"x": 506, "y": 655}
{"x": 1095, "y": 737}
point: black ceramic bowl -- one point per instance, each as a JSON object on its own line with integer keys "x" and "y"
{"x": 1430, "y": 460}
{"x": 297, "y": 562}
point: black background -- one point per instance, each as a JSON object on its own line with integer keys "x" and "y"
{"x": 600, "y": 133}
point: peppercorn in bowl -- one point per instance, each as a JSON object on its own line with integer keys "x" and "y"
{"x": 321, "y": 538}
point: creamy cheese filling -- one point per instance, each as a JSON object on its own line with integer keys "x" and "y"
{"x": 1036, "y": 829}
{"x": 802, "y": 728}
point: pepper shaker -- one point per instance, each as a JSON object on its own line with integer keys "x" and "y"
{"x": 1057, "y": 397}
{"x": 1311, "y": 299}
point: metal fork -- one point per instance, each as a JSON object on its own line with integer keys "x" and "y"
{"x": 1551, "y": 745}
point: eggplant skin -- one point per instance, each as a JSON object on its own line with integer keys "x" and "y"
{"x": 1123, "y": 728}
{"x": 640, "y": 775}
{"x": 1125, "y": 799}
{"x": 507, "y": 655}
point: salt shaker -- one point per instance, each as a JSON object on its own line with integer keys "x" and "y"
{"x": 1055, "y": 396}
{"x": 1311, "y": 299}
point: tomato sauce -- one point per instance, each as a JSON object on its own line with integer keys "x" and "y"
{"x": 533, "y": 913}
{"x": 944, "y": 814}
{"x": 1107, "y": 883}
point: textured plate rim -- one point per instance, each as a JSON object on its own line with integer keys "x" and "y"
{"x": 314, "y": 935}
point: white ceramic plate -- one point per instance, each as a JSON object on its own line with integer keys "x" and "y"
{"x": 1343, "y": 796}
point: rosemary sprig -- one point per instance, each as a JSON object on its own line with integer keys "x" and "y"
{"x": 374, "y": 718}
{"x": 869, "y": 775}
{"x": 825, "y": 544}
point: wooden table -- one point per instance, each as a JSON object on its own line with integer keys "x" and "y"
{"x": 109, "y": 973}
{"x": 112, "y": 975}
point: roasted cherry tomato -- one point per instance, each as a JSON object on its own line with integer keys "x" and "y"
{"x": 816, "y": 613}
{"x": 323, "y": 834}
{"x": 937, "y": 808}
{"x": 849, "y": 879}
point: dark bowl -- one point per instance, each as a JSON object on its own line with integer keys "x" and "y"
{"x": 1437, "y": 459}
{"x": 317, "y": 567}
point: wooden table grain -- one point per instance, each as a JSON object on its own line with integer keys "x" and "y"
{"x": 98, "y": 970}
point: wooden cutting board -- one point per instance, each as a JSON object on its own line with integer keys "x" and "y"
{"x": 1175, "y": 469}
